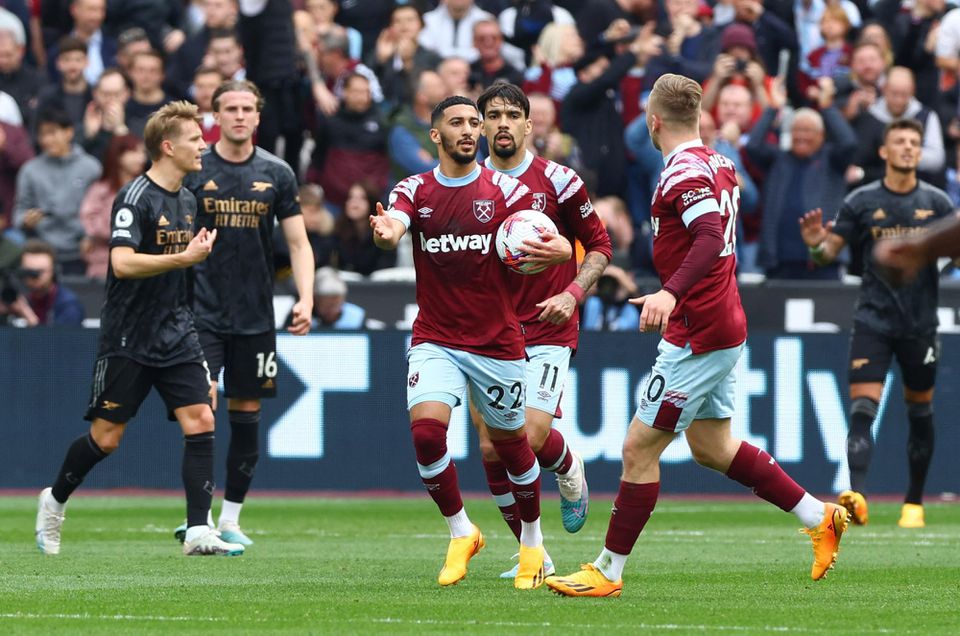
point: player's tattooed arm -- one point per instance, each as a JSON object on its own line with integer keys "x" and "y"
{"x": 559, "y": 309}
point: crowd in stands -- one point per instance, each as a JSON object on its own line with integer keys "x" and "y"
{"x": 796, "y": 93}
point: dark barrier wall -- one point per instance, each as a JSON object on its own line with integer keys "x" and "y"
{"x": 340, "y": 421}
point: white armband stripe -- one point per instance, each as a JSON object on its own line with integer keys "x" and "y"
{"x": 697, "y": 210}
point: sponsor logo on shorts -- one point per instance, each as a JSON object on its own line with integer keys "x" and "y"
{"x": 269, "y": 384}
{"x": 109, "y": 406}
{"x": 544, "y": 395}
{"x": 859, "y": 363}
{"x": 677, "y": 398}
{"x": 512, "y": 415}
{"x": 412, "y": 381}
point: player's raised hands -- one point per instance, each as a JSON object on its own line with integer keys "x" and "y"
{"x": 656, "y": 311}
{"x": 382, "y": 226}
{"x": 812, "y": 230}
{"x": 200, "y": 246}
{"x": 549, "y": 249}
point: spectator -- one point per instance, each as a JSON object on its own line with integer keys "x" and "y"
{"x": 131, "y": 43}
{"x": 772, "y": 36}
{"x": 830, "y": 59}
{"x": 20, "y": 83}
{"x": 608, "y": 309}
{"x": 455, "y": 73}
{"x": 691, "y": 47}
{"x": 16, "y": 149}
{"x": 595, "y": 17}
{"x": 947, "y": 48}
{"x": 411, "y": 149}
{"x": 898, "y": 102}
{"x": 351, "y": 146}
{"x": 88, "y": 16}
{"x": 613, "y": 213}
{"x": 398, "y": 57}
{"x": 860, "y": 89}
{"x": 590, "y": 110}
{"x": 147, "y": 95}
{"x": 159, "y": 19}
{"x": 335, "y": 66}
{"x": 370, "y": 17}
{"x": 810, "y": 174}
{"x": 356, "y": 251}
{"x": 225, "y": 53}
{"x": 808, "y": 20}
{"x": 324, "y": 13}
{"x": 914, "y": 36}
{"x": 523, "y": 25}
{"x": 319, "y": 223}
{"x": 50, "y": 188}
{"x": 44, "y": 302}
{"x": 330, "y": 307}
{"x": 738, "y": 63}
{"x": 554, "y": 55}
{"x": 125, "y": 159}
{"x": 105, "y": 115}
{"x": 548, "y": 141}
{"x": 448, "y": 29}
{"x": 205, "y": 82}
{"x": 491, "y": 64}
{"x": 217, "y": 14}
{"x": 72, "y": 93}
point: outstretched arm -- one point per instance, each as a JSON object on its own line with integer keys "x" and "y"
{"x": 387, "y": 231}
{"x": 824, "y": 244}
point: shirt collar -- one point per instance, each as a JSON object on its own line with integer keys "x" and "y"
{"x": 516, "y": 171}
{"x": 456, "y": 182}
{"x": 693, "y": 143}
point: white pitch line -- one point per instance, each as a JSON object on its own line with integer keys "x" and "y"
{"x": 114, "y": 617}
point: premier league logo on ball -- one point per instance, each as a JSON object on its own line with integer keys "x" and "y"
{"x": 483, "y": 210}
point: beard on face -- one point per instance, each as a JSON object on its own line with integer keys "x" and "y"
{"x": 451, "y": 149}
{"x": 504, "y": 152}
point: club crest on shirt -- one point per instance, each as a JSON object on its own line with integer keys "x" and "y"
{"x": 483, "y": 209}
{"x": 261, "y": 186}
{"x": 922, "y": 215}
{"x": 412, "y": 382}
{"x": 539, "y": 201}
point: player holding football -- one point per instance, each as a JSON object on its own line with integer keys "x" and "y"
{"x": 546, "y": 302}
{"x": 467, "y": 333}
{"x": 241, "y": 190}
{"x": 890, "y": 320}
{"x": 147, "y": 335}
{"x": 691, "y": 386}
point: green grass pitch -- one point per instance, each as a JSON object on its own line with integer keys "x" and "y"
{"x": 361, "y": 566}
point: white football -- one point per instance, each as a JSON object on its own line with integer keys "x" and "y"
{"x": 515, "y": 229}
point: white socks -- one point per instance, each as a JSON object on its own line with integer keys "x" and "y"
{"x": 611, "y": 564}
{"x": 809, "y": 511}
{"x": 459, "y": 523}
{"x": 530, "y": 534}
{"x": 196, "y": 531}
{"x": 230, "y": 513}
{"x": 51, "y": 502}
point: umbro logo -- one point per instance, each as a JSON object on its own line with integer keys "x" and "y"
{"x": 210, "y": 185}
{"x": 922, "y": 215}
{"x": 879, "y": 215}
{"x": 163, "y": 221}
{"x": 261, "y": 186}
{"x": 425, "y": 212}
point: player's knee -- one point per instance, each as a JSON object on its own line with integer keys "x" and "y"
{"x": 203, "y": 421}
{"x": 706, "y": 455}
{"x": 537, "y": 434}
{"x": 429, "y": 440}
{"x": 488, "y": 452}
{"x": 106, "y": 435}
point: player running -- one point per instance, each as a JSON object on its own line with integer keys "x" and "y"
{"x": 467, "y": 333}
{"x": 546, "y": 303}
{"x": 241, "y": 190}
{"x": 691, "y": 386}
{"x": 890, "y": 320}
{"x": 147, "y": 335}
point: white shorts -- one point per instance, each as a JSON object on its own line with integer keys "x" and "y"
{"x": 441, "y": 374}
{"x": 547, "y": 367}
{"x": 684, "y": 387}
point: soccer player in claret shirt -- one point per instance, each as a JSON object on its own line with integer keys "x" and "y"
{"x": 467, "y": 334}
{"x": 147, "y": 336}
{"x": 691, "y": 386}
{"x": 241, "y": 191}
{"x": 890, "y": 319}
{"x": 546, "y": 302}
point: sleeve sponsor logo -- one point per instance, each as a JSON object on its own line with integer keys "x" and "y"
{"x": 692, "y": 196}
{"x": 124, "y": 218}
{"x": 122, "y": 234}
{"x": 586, "y": 209}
